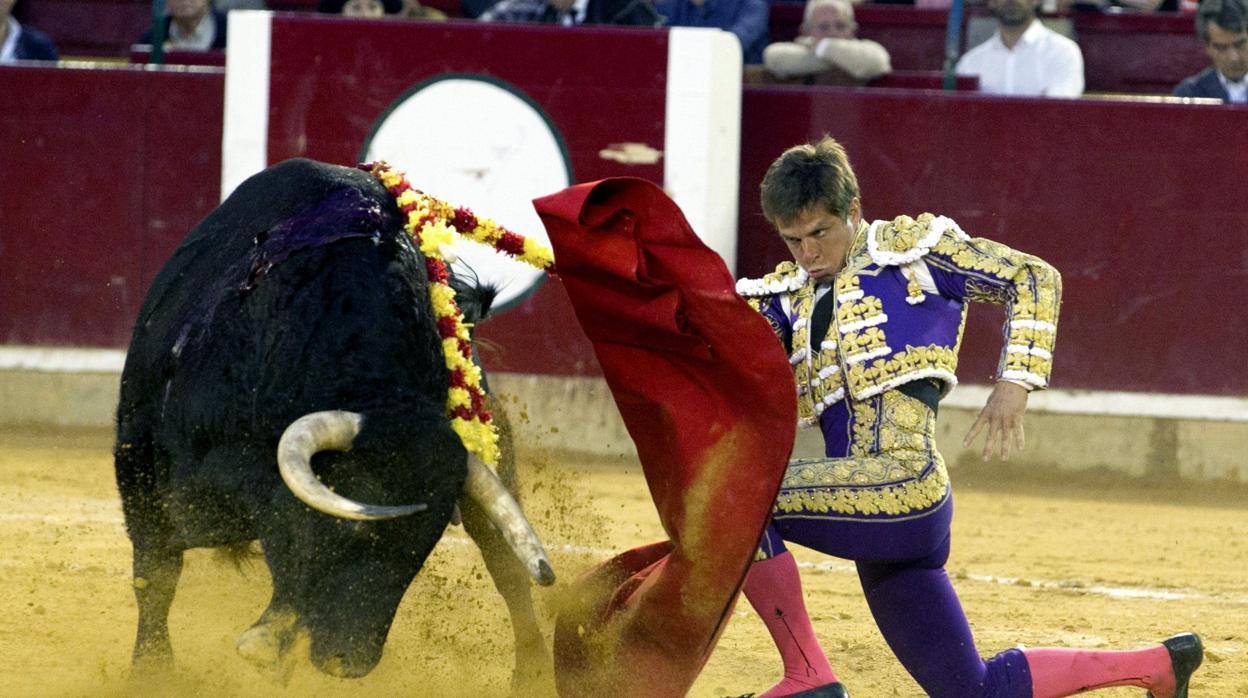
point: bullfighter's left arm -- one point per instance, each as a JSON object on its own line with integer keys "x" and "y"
{"x": 984, "y": 271}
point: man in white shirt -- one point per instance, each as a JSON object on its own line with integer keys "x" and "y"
{"x": 1223, "y": 27}
{"x": 827, "y": 41}
{"x": 1024, "y": 57}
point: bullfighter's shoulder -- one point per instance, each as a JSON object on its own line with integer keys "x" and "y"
{"x": 788, "y": 276}
{"x": 904, "y": 239}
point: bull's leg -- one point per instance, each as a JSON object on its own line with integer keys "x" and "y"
{"x": 269, "y": 642}
{"x": 533, "y": 673}
{"x": 533, "y": 665}
{"x": 157, "y": 562}
{"x": 156, "y": 573}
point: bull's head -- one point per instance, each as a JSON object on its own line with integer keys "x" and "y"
{"x": 347, "y": 640}
{"x": 321, "y": 431}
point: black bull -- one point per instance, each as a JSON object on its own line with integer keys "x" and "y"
{"x": 299, "y": 294}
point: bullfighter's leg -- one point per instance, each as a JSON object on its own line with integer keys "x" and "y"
{"x": 774, "y": 590}
{"x": 533, "y": 673}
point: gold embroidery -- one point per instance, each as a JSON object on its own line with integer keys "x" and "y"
{"x": 894, "y": 467}
{"x": 847, "y": 284}
{"x": 864, "y": 342}
{"x": 1032, "y": 335}
{"x": 902, "y": 498}
{"x": 913, "y": 359}
{"x": 1017, "y": 361}
{"x": 783, "y": 271}
{"x": 865, "y": 428}
{"x": 903, "y": 234}
{"x": 856, "y": 311}
{"x": 914, "y": 290}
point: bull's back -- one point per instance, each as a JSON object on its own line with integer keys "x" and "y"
{"x": 202, "y": 269}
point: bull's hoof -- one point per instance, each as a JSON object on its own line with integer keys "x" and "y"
{"x": 267, "y": 646}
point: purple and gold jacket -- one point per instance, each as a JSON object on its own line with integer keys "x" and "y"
{"x": 900, "y": 307}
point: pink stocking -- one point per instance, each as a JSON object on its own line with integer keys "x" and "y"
{"x": 774, "y": 589}
{"x": 1064, "y": 672}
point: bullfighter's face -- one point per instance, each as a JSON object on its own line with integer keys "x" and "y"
{"x": 819, "y": 239}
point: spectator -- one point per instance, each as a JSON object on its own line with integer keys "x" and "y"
{"x": 1223, "y": 26}
{"x": 191, "y": 25}
{"x": 745, "y": 18}
{"x": 570, "y": 12}
{"x": 412, "y": 9}
{"x": 18, "y": 43}
{"x": 360, "y": 8}
{"x": 1024, "y": 57}
{"x": 827, "y": 41}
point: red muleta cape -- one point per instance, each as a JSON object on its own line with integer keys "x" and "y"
{"x": 707, "y": 395}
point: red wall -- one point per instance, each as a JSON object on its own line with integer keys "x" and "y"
{"x": 102, "y": 171}
{"x": 1141, "y": 206}
{"x": 614, "y": 92}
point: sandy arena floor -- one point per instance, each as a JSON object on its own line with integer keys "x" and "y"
{"x": 1079, "y": 563}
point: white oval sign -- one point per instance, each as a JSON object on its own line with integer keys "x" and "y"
{"x": 473, "y": 141}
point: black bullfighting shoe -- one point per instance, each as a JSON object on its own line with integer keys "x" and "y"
{"x": 1186, "y": 653}
{"x": 828, "y": 690}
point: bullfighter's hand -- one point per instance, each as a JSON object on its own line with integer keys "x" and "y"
{"x": 1002, "y": 419}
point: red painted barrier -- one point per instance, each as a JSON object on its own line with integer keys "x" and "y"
{"x": 1140, "y": 205}
{"x": 102, "y": 172}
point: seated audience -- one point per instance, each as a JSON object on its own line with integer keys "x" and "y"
{"x": 190, "y": 25}
{"x": 360, "y": 8}
{"x": 827, "y": 42}
{"x": 19, "y": 43}
{"x": 745, "y": 18}
{"x": 570, "y": 12}
{"x": 1223, "y": 26}
{"x": 1024, "y": 57}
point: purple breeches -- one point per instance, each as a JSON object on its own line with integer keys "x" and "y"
{"x": 901, "y": 567}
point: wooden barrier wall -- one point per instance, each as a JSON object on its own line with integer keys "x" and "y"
{"x": 103, "y": 170}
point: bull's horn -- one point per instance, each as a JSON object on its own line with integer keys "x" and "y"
{"x": 484, "y": 488}
{"x": 326, "y": 431}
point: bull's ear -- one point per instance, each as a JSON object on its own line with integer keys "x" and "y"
{"x": 473, "y": 297}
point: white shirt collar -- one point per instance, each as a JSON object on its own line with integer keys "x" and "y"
{"x": 198, "y": 40}
{"x": 1235, "y": 91}
{"x": 8, "y": 52}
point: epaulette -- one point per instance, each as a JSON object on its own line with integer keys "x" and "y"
{"x": 786, "y": 278}
{"x": 904, "y": 239}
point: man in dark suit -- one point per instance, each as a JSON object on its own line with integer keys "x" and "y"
{"x": 1223, "y": 26}
{"x": 191, "y": 25}
{"x": 22, "y": 43}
